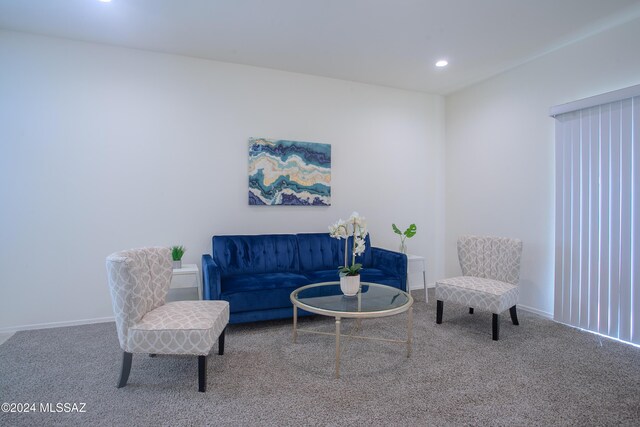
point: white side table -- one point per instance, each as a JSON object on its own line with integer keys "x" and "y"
{"x": 187, "y": 277}
{"x": 415, "y": 266}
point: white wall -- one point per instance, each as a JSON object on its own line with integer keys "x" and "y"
{"x": 500, "y": 166}
{"x": 106, "y": 148}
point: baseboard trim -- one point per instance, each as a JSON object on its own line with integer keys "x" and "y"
{"x": 13, "y": 329}
{"x": 535, "y": 311}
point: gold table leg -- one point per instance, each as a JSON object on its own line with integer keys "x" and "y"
{"x": 295, "y": 324}
{"x": 337, "y": 347}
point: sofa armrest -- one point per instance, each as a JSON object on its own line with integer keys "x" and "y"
{"x": 210, "y": 278}
{"x": 391, "y": 262}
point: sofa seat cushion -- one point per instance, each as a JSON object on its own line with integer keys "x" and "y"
{"x": 477, "y": 292}
{"x": 321, "y": 276}
{"x": 373, "y": 275}
{"x": 253, "y": 282}
{"x": 180, "y": 327}
{"x": 247, "y": 292}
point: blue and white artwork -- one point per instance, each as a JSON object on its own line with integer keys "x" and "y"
{"x": 289, "y": 173}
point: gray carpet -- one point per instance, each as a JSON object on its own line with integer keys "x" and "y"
{"x": 539, "y": 373}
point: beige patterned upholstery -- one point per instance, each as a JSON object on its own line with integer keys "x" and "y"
{"x": 181, "y": 327}
{"x": 485, "y": 294}
{"x": 495, "y": 258}
{"x": 139, "y": 281}
{"x": 491, "y": 270}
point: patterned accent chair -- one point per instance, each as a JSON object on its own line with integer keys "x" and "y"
{"x": 139, "y": 280}
{"x": 490, "y": 273}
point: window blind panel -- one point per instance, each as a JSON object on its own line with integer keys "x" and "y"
{"x": 594, "y": 218}
{"x": 605, "y": 249}
{"x": 562, "y": 216}
{"x": 584, "y": 144}
{"x": 568, "y": 225}
{"x": 614, "y": 220}
{"x": 635, "y": 215}
{"x": 598, "y": 219}
{"x": 574, "y": 285}
{"x": 624, "y": 323}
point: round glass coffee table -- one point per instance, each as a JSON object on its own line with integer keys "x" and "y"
{"x": 372, "y": 301}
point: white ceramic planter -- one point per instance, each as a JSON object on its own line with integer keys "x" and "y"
{"x": 350, "y": 285}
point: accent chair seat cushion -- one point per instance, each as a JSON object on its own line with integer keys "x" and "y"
{"x": 477, "y": 292}
{"x": 181, "y": 327}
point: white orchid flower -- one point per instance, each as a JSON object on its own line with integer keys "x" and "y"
{"x": 362, "y": 227}
{"x": 356, "y": 227}
{"x": 338, "y": 230}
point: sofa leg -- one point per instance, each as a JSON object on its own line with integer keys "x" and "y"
{"x": 470, "y": 310}
{"x": 221, "y": 342}
{"x": 126, "y": 369}
{"x": 152, "y": 355}
{"x": 496, "y": 326}
{"x": 202, "y": 373}
{"x": 514, "y": 315}
{"x": 439, "y": 307}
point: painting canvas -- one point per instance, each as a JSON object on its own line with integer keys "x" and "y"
{"x": 289, "y": 173}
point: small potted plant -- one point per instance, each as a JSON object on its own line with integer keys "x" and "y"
{"x": 176, "y": 254}
{"x": 355, "y": 226}
{"x": 408, "y": 233}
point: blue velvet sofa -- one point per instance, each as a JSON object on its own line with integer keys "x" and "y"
{"x": 256, "y": 274}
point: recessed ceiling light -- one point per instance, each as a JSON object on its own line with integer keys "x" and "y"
{"x": 442, "y": 63}
{"x": 104, "y": 1}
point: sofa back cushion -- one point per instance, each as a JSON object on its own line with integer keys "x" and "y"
{"x": 266, "y": 253}
{"x": 319, "y": 251}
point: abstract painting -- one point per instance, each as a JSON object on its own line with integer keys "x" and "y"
{"x": 289, "y": 173}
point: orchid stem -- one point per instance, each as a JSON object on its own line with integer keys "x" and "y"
{"x": 346, "y": 241}
{"x": 353, "y": 259}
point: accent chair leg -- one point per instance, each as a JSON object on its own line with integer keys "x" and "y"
{"x": 439, "y": 307}
{"x": 202, "y": 373}
{"x": 496, "y": 326}
{"x": 152, "y": 355}
{"x": 470, "y": 310}
{"x": 514, "y": 315}
{"x": 126, "y": 369}
{"x": 221, "y": 342}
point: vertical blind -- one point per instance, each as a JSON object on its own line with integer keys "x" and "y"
{"x": 597, "y": 270}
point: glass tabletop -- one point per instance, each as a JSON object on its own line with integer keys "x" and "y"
{"x": 326, "y": 298}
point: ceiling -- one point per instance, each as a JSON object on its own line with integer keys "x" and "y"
{"x": 385, "y": 42}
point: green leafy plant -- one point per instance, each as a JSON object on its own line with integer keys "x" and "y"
{"x": 177, "y": 252}
{"x": 406, "y": 234}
